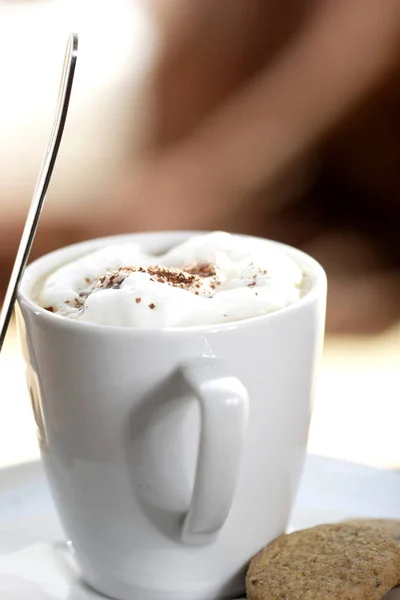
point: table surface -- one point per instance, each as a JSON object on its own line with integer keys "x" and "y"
{"x": 356, "y": 410}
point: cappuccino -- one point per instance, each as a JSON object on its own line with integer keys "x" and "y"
{"x": 209, "y": 279}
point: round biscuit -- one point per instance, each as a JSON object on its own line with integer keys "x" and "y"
{"x": 328, "y": 562}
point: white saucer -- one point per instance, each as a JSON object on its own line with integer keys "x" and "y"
{"x": 35, "y": 563}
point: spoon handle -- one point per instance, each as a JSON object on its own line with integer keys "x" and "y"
{"x": 42, "y": 184}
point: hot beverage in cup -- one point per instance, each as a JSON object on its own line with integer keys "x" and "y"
{"x": 208, "y": 279}
{"x": 172, "y": 377}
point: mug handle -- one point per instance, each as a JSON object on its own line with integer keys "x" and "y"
{"x": 224, "y": 407}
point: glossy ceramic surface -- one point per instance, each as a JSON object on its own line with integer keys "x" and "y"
{"x": 172, "y": 455}
{"x": 35, "y": 563}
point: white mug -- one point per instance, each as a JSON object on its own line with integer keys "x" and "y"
{"x": 173, "y": 455}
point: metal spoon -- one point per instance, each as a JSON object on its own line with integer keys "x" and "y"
{"x": 42, "y": 184}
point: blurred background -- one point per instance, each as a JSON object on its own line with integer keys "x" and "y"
{"x": 276, "y": 119}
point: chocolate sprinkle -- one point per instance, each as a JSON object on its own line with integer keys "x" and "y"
{"x": 201, "y": 269}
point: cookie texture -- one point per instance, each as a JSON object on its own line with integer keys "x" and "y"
{"x": 389, "y": 526}
{"x": 328, "y": 562}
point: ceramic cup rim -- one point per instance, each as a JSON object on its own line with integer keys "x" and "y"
{"x": 44, "y": 265}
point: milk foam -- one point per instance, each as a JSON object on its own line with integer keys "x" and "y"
{"x": 209, "y": 279}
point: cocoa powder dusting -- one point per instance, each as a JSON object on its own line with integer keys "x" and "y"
{"x": 201, "y": 269}
{"x": 186, "y": 278}
{"x": 174, "y": 277}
